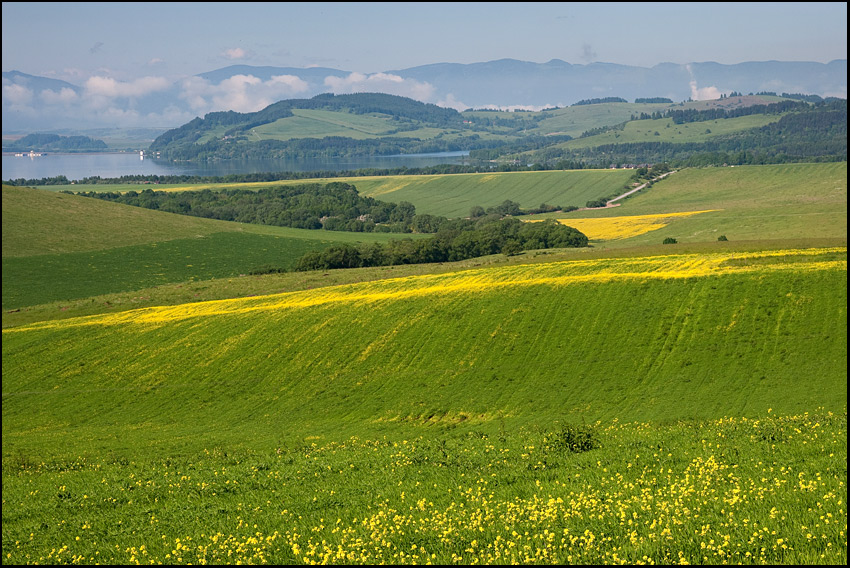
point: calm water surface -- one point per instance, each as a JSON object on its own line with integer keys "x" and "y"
{"x": 78, "y": 166}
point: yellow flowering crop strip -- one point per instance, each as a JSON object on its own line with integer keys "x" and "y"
{"x": 613, "y": 228}
{"x": 477, "y": 281}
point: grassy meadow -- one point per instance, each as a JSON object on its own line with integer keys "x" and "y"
{"x": 746, "y": 203}
{"x": 59, "y": 247}
{"x": 451, "y": 195}
{"x": 629, "y": 402}
{"x": 493, "y": 415}
{"x": 665, "y": 130}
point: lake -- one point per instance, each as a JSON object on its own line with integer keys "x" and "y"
{"x": 78, "y": 166}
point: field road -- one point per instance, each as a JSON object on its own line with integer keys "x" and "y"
{"x": 662, "y": 176}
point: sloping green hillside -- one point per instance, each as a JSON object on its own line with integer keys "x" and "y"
{"x": 453, "y": 195}
{"x": 789, "y": 201}
{"x": 712, "y": 335}
{"x": 41, "y": 222}
{"x": 58, "y": 247}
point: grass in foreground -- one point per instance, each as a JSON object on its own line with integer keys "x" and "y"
{"x": 761, "y": 490}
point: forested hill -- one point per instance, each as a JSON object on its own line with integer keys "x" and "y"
{"x": 392, "y": 114}
{"x": 41, "y": 142}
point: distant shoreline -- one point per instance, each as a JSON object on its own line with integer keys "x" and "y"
{"x": 12, "y": 153}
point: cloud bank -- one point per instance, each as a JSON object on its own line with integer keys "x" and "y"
{"x": 381, "y": 83}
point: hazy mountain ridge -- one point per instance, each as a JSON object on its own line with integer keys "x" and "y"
{"x": 32, "y": 103}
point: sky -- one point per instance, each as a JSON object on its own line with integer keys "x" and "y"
{"x": 127, "y": 41}
{"x": 118, "y": 55}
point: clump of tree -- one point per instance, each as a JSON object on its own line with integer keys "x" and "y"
{"x": 653, "y": 100}
{"x": 457, "y": 240}
{"x": 693, "y": 115}
{"x": 335, "y": 206}
{"x": 513, "y": 209}
{"x": 600, "y": 101}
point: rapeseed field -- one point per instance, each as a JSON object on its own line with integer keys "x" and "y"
{"x": 625, "y": 227}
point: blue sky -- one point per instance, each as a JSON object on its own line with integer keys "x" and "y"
{"x": 125, "y": 41}
{"x": 124, "y": 59}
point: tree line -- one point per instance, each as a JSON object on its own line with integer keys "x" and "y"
{"x": 814, "y": 133}
{"x": 458, "y": 240}
{"x": 334, "y": 206}
{"x": 56, "y": 143}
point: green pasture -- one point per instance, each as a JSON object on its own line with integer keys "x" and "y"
{"x": 752, "y": 203}
{"x": 530, "y": 354}
{"x": 244, "y": 285}
{"x": 451, "y": 195}
{"x": 33, "y": 280}
{"x": 315, "y": 123}
{"x": 790, "y": 201}
{"x": 59, "y": 247}
{"x": 629, "y": 402}
{"x": 576, "y": 120}
{"x": 454, "y": 195}
{"x": 521, "y": 424}
{"x": 41, "y": 222}
{"x": 664, "y": 130}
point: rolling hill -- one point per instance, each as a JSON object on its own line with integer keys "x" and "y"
{"x": 62, "y": 247}
{"x": 378, "y": 124}
{"x": 746, "y": 203}
{"x": 561, "y": 339}
{"x": 681, "y": 403}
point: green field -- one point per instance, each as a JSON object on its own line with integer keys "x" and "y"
{"x": 578, "y": 119}
{"x": 750, "y": 203}
{"x": 59, "y": 247}
{"x": 629, "y": 402}
{"x": 432, "y": 344}
{"x": 449, "y": 195}
{"x": 775, "y": 485}
{"x": 455, "y": 195}
{"x": 665, "y": 130}
{"x": 313, "y": 123}
{"x": 535, "y": 394}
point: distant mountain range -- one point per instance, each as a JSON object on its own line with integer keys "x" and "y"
{"x": 32, "y": 103}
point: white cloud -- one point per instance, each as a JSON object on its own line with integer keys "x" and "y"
{"x": 110, "y": 88}
{"x": 14, "y": 95}
{"x": 65, "y": 96}
{"x": 241, "y": 93}
{"x": 451, "y": 102}
{"x": 381, "y": 83}
{"x": 235, "y": 53}
{"x": 705, "y": 93}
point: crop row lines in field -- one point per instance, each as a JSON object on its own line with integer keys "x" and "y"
{"x": 476, "y": 281}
